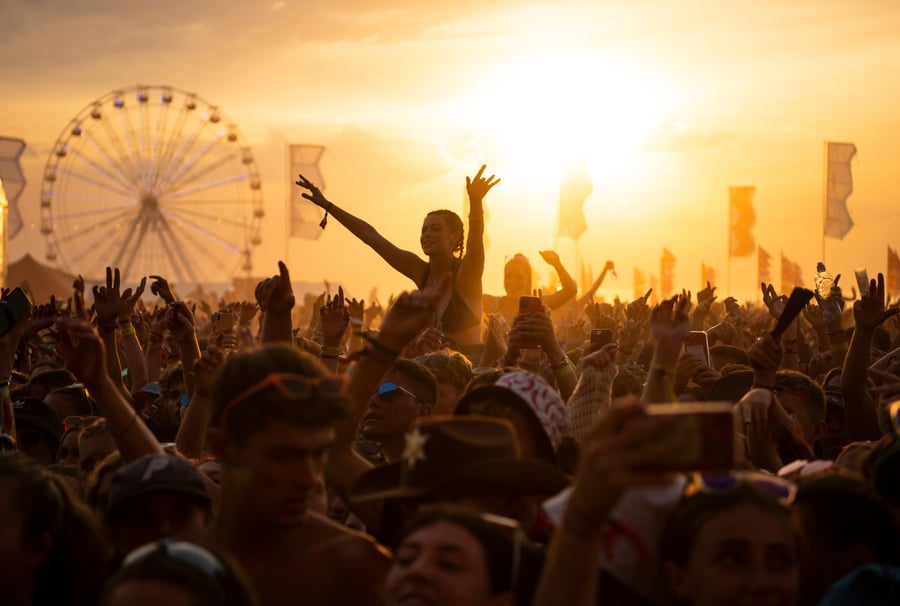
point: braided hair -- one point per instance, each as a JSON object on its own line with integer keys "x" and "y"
{"x": 455, "y": 224}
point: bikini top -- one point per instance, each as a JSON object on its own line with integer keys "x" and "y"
{"x": 457, "y": 315}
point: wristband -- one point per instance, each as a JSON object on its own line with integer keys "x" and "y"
{"x": 128, "y": 331}
{"x": 662, "y": 370}
{"x": 564, "y": 371}
{"x": 561, "y": 364}
{"x": 329, "y": 352}
{"x": 838, "y": 347}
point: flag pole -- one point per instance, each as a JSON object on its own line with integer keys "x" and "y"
{"x": 287, "y": 206}
{"x": 824, "y": 195}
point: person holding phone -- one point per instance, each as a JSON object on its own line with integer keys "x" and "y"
{"x": 517, "y": 283}
{"x": 442, "y": 242}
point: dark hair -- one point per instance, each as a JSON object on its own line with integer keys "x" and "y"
{"x": 94, "y": 481}
{"x": 798, "y": 382}
{"x": 74, "y": 571}
{"x": 693, "y": 512}
{"x": 849, "y": 512}
{"x": 52, "y": 379}
{"x": 455, "y": 224}
{"x": 228, "y": 588}
{"x": 735, "y": 355}
{"x": 456, "y": 372}
{"x": 496, "y": 543}
{"x": 424, "y": 383}
{"x": 245, "y": 369}
{"x": 84, "y": 404}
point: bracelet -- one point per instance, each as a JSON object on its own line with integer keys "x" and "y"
{"x": 108, "y": 326}
{"x": 838, "y": 347}
{"x": 329, "y": 351}
{"x": 128, "y": 428}
{"x": 561, "y": 364}
{"x": 564, "y": 371}
{"x": 127, "y": 332}
{"x": 380, "y": 347}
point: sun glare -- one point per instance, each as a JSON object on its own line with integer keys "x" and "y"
{"x": 542, "y": 112}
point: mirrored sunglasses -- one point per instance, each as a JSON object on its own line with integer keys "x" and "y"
{"x": 783, "y": 490}
{"x": 388, "y": 390}
{"x": 189, "y": 554}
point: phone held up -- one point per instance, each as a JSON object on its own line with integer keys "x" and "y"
{"x": 12, "y": 309}
{"x": 600, "y": 337}
{"x": 709, "y": 432}
{"x": 531, "y": 305}
{"x": 697, "y": 343}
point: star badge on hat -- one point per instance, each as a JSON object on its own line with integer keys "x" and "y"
{"x": 414, "y": 449}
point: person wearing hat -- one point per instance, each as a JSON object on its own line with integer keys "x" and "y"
{"x": 155, "y": 497}
{"x": 474, "y": 461}
{"x": 38, "y": 429}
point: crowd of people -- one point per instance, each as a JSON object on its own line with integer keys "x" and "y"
{"x": 453, "y": 448}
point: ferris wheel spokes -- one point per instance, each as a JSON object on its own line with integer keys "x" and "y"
{"x": 116, "y": 176}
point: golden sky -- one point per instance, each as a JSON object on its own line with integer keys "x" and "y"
{"x": 670, "y": 102}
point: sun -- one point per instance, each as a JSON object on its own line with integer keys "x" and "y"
{"x": 539, "y": 113}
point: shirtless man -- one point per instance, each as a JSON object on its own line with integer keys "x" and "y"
{"x": 274, "y": 415}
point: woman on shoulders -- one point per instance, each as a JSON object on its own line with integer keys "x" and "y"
{"x": 442, "y": 242}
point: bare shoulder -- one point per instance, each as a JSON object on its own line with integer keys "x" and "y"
{"x": 334, "y": 539}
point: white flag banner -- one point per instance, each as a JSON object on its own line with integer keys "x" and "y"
{"x": 303, "y": 214}
{"x": 838, "y": 187}
{"x": 13, "y": 180}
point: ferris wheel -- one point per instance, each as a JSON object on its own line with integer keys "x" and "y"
{"x": 153, "y": 180}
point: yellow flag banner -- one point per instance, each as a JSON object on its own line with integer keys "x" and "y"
{"x": 666, "y": 273}
{"x": 741, "y": 219}
{"x": 788, "y": 275}
{"x": 893, "y": 272}
{"x": 838, "y": 187}
{"x": 707, "y": 274}
{"x": 640, "y": 283}
{"x": 304, "y": 216}
{"x": 764, "y": 261}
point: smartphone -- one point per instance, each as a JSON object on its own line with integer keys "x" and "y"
{"x": 223, "y": 322}
{"x": 12, "y": 309}
{"x": 600, "y": 337}
{"x": 862, "y": 281}
{"x": 531, "y": 305}
{"x": 709, "y": 430}
{"x": 697, "y": 343}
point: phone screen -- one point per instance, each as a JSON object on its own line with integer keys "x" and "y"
{"x": 697, "y": 344}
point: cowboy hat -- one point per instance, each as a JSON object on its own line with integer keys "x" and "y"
{"x": 458, "y": 456}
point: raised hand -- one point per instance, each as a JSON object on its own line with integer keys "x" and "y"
{"x": 550, "y": 256}
{"x": 205, "y": 367}
{"x": 707, "y": 293}
{"x": 315, "y": 194}
{"x": 478, "y": 187}
{"x": 357, "y": 309}
{"x": 83, "y": 351}
{"x": 638, "y": 310}
{"x": 774, "y": 303}
{"x": 276, "y": 293}
{"x": 669, "y": 321}
{"x": 160, "y": 287}
{"x": 110, "y": 303}
{"x": 179, "y": 321}
{"x": 869, "y": 311}
{"x": 411, "y": 313}
{"x": 334, "y": 318}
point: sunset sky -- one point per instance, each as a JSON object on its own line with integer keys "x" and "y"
{"x": 670, "y": 102}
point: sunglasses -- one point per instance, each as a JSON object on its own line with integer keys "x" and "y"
{"x": 189, "y": 554}
{"x": 293, "y": 387}
{"x": 78, "y": 422}
{"x": 388, "y": 390}
{"x": 783, "y": 490}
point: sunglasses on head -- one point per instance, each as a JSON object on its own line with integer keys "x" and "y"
{"x": 293, "y": 387}
{"x": 77, "y": 422}
{"x": 388, "y": 390}
{"x": 783, "y": 490}
{"x": 189, "y": 554}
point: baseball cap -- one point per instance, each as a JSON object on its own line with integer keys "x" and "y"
{"x": 34, "y": 413}
{"x": 155, "y": 473}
